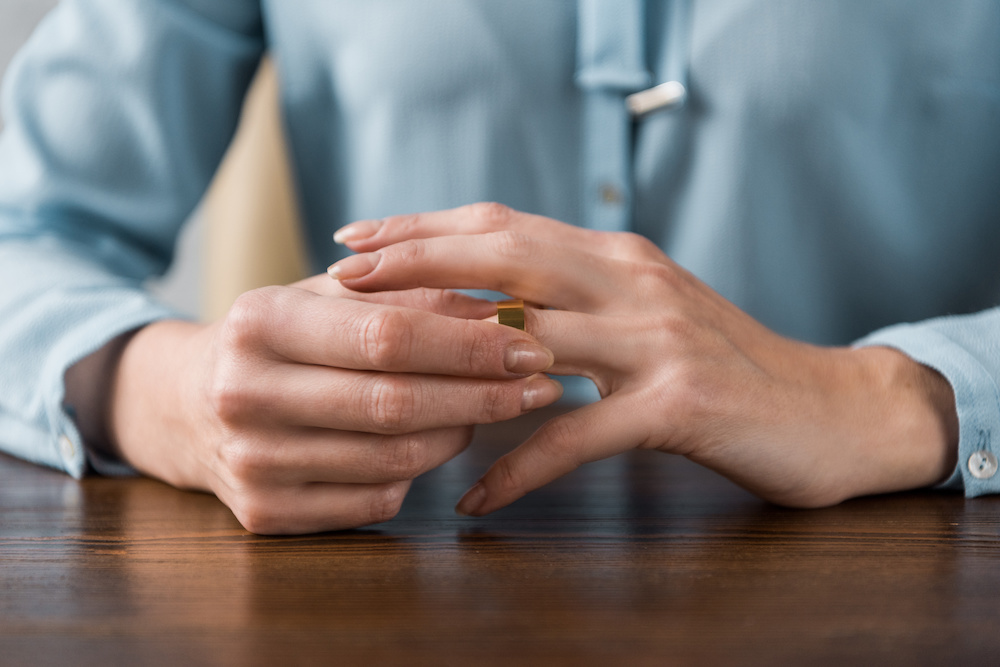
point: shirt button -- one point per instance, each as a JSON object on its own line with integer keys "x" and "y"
{"x": 610, "y": 194}
{"x": 983, "y": 464}
{"x": 67, "y": 448}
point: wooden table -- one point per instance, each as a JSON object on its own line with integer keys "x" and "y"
{"x": 644, "y": 559}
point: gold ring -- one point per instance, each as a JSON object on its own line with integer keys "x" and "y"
{"x": 511, "y": 313}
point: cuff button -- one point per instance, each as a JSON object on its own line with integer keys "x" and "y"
{"x": 68, "y": 449}
{"x": 983, "y": 464}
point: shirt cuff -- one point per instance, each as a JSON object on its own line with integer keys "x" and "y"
{"x": 76, "y": 455}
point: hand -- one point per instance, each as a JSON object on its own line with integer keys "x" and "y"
{"x": 680, "y": 369}
{"x": 309, "y": 409}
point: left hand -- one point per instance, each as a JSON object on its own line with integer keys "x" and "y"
{"x": 679, "y": 368}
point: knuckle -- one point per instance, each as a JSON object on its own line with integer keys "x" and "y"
{"x": 490, "y": 215}
{"x": 446, "y": 301}
{"x": 408, "y": 253}
{"x": 386, "y": 502}
{"x": 244, "y": 462}
{"x": 505, "y": 474}
{"x": 559, "y": 441}
{"x": 386, "y": 339}
{"x": 226, "y": 395}
{"x": 685, "y": 392}
{"x": 404, "y": 458}
{"x": 499, "y": 401}
{"x": 509, "y": 245}
{"x": 677, "y": 329}
{"x": 652, "y": 271}
{"x": 393, "y": 404}
{"x": 248, "y": 314}
{"x": 656, "y": 277}
{"x": 636, "y": 247}
{"x": 236, "y": 393}
{"x": 481, "y": 349}
{"x": 431, "y": 300}
{"x": 256, "y": 514}
{"x": 405, "y": 223}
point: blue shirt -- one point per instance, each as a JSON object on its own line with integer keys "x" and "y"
{"x": 834, "y": 169}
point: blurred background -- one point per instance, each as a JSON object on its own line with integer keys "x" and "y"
{"x": 17, "y": 19}
{"x": 181, "y": 286}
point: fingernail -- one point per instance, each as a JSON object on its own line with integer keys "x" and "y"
{"x": 472, "y": 500}
{"x": 355, "y": 266}
{"x": 356, "y": 231}
{"x": 527, "y": 358}
{"x": 539, "y": 392}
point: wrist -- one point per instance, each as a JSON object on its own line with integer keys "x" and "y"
{"x": 148, "y": 410}
{"x": 912, "y": 437}
{"x": 88, "y": 385}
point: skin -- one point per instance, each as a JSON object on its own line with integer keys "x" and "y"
{"x": 311, "y": 408}
{"x": 679, "y": 368}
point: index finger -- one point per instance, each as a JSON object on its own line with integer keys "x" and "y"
{"x": 440, "y": 301}
{"x": 516, "y": 264}
{"x": 480, "y": 218}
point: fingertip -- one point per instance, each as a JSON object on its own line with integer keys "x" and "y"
{"x": 473, "y": 500}
{"x": 355, "y": 266}
{"x": 525, "y": 357}
{"x": 357, "y": 231}
{"x": 540, "y": 391}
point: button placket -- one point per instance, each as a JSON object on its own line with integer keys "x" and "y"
{"x": 611, "y": 63}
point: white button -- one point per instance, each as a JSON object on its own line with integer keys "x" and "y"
{"x": 983, "y": 464}
{"x": 67, "y": 448}
{"x": 664, "y": 96}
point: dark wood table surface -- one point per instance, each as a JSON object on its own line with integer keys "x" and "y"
{"x": 643, "y": 559}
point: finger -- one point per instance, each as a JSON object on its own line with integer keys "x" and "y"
{"x": 521, "y": 266}
{"x": 314, "y": 508}
{"x": 387, "y": 403}
{"x": 303, "y": 327}
{"x": 591, "y": 346}
{"x": 482, "y": 218}
{"x": 584, "y": 344}
{"x": 440, "y": 301}
{"x": 306, "y": 455}
{"x": 563, "y": 444}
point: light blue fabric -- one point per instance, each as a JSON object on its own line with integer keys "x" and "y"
{"x": 834, "y": 170}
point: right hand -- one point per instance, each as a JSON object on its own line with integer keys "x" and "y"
{"x": 311, "y": 407}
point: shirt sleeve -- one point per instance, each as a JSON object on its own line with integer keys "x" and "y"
{"x": 117, "y": 114}
{"x": 965, "y": 349}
